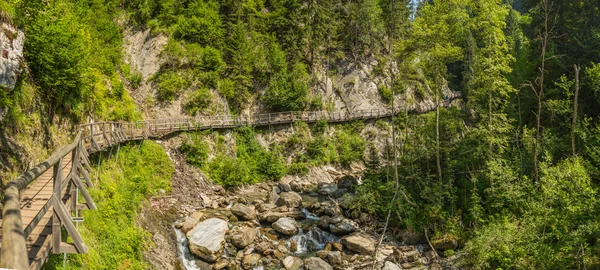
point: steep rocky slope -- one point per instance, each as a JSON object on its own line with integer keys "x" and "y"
{"x": 353, "y": 87}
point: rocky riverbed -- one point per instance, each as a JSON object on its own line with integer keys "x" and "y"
{"x": 290, "y": 225}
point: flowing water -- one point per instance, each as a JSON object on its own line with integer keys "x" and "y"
{"x": 314, "y": 239}
{"x": 185, "y": 256}
{"x": 309, "y": 215}
{"x": 307, "y": 241}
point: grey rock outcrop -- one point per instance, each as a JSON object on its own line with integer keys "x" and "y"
{"x": 207, "y": 239}
{"x": 243, "y": 212}
{"x": 244, "y": 236}
{"x": 286, "y": 226}
{"x": 191, "y": 221}
{"x": 316, "y": 263}
{"x": 291, "y": 199}
{"x": 360, "y": 243}
{"x": 390, "y": 266}
{"x": 250, "y": 261}
{"x": 345, "y": 226}
{"x": 292, "y": 263}
{"x": 11, "y": 55}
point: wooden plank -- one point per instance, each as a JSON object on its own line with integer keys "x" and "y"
{"x": 68, "y": 248}
{"x": 36, "y": 219}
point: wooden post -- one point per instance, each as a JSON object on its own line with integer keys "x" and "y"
{"x": 104, "y": 134}
{"x": 94, "y": 144}
{"x": 56, "y": 228}
{"x": 75, "y": 156}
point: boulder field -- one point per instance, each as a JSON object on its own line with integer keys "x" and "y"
{"x": 273, "y": 226}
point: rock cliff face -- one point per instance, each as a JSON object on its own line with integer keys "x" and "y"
{"x": 11, "y": 58}
{"x": 11, "y": 55}
{"x": 354, "y": 86}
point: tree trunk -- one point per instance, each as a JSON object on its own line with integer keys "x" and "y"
{"x": 575, "y": 109}
{"x": 491, "y": 136}
{"x": 437, "y": 135}
{"x": 545, "y": 37}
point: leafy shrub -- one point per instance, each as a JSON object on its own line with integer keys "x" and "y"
{"x": 299, "y": 168}
{"x": 448, "y": 253}
{"x": 386, "y": 93}
{"x": 195, "y": 150}
{"x": 170, "y": 84}
{"x": 271, "y": 166}
{"x": 350, "y": 147}
{"x": 201, "y": 23}
{"x": 319, "y": 127}
{"x": 229, "y": 171}
{"x": 197, "y": 101}
{"x": 251, "y": 164}
{"x": 56, "y": 52}
{"x": 317, "y": 151}
{"x": 136, "y": 79}
{"x": 293, "y": 140}
{"x": 316, "y": 104}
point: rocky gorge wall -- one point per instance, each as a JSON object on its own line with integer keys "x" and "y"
{"x": 354, "y": 86}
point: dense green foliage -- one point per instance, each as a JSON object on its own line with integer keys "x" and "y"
{"x": 513, "y": 176}
{"x": 73, "y": 50}
{"x": 124, "y": 183}
{"x": 252, "y": 163}
{"x": 343, "y": 147}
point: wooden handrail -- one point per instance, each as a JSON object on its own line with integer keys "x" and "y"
{"x": 14, "y": 250}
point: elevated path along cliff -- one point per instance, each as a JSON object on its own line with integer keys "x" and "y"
{"x": 43, "y": 202}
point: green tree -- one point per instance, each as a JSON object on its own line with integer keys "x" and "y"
{"x": 55, "y": 51}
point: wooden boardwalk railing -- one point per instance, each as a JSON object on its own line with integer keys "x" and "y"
{"x": 40, "y": 202}
{"x": 37, "y": 205}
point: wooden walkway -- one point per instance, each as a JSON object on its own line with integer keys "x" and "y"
{"x": 39, "y": 204}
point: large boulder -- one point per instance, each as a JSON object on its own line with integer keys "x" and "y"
{"x": 243, "y": 236}
{"x": 316, "y": 263}
{"x": 207, "y": 239}
{"x": 334, "y": 257}
{"x": 360, "y": 243}
{"x": 250, "y": 261}
{"x": 327, "y": 188}
{"x": 286, "y": 226}
{"x": 345, "y": 226}
{"x": 191, "y": 221}
{"x": 285, "y": 187}
{"x": 327, "y": 208}
{"x": 347, "y": 182}
{"x": 292, "y": 263}
{"x": 390, "y": 266}
{"x": 243, "y": 212}
{"x": 202, "y": 265}
{"x": 445, "y": 242}
{"x": 290, "y": 199}
{"x": 271, "y": 216}
{"x": 263, "y": 207}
